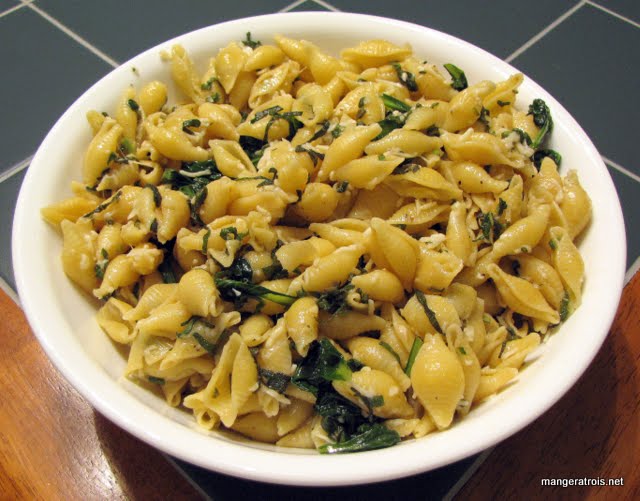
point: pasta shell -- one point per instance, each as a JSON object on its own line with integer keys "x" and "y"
{"x": 438, "y": 380}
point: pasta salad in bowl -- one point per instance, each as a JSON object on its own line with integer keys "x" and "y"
{"x": 284, "y": 245}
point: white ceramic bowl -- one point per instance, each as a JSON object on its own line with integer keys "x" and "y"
{"x": 63, "y": 320}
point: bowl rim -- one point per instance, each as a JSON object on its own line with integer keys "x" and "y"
{"x": 234, "y": 459}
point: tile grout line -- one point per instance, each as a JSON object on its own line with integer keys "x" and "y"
{"x": 74, "y": 36}
{"x": 187, "y": 477}
{"x": 620, "y": 168}
{"x": 292, "y": 5}
{"x": 633, "y": 269}
{"x": 466, "y": 476}
{"x": 14, "y": 169}
{"x": 533, "y": 40}
{"x": 8, "y": 290}
{"x": 13, "y": 9}
{"x": 613, "y": 13}
{"x": 327, "y": 5}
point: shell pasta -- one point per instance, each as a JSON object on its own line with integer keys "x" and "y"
{"x": 335, "y": 252}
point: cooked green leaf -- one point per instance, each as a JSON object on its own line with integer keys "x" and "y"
{"x": 369, "y": 437}
{"x": 415, "y": 348}
{"x": 542, "y": 118}
{"x": 235, "y": 288}
{"x": 251, "y": 43}
{"x": 540, "y": 155}
{"x": 395, "y": 104}
{"x": 459, "y": 79}
{"x": 323, "y": 363}
{"x": 277, "y": 381}
{"x": 406, "y": 78}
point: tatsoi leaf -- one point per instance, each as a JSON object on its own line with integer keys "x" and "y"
{"x": 406, "y": 166}
{"x": 99, "y": 269}
{"x": 361, "y": 108}
{"x": 408, "y": 79}
{"x": 369, "y": 402}
{"x": 202, "y": 341}
{"x": 486, "y": 223}
{"x": 315, "y": 155}
{"x": 490, "y": 226}
{"x": 195, "y": 203}
{"x": 252, "y": 147}
{"x": 564, "y": 307}
{"x": 235, "y": 288}
{"x": 485, "y": 116}
{"x": 430, "y": 313}
{"x": 337, "y": 131}
{"x": 354, "y": 365}
{"x": 522, "y": 135}
{"x": 251, "y": 43}
{"x": 542, "y": 118}
{"x": 395, "y": 104}
{"x": 275, "y": 113}
{"x": 341, "y": 418}
{"x": 240, "y": 270}
{"x": 388, "y": 124}
{"x": 157, "y": 198}
{"x": 207, "y": 85}
{"x": 205, "y": 242}
{"x": 201, "y": 331}
{"x": 323, "y": 363}
{"x": 388, "y": 347}
{"x": 104, "y": 205}
{"x": 231, "y": 233}
{"x": 166, "y": 270}
{"x": 133, "y": 105}
{"x": 193, "y": 324}
{"x": 459, "y": 79}
{"x": 274, "y": 110}
{"x": 127, "y": 147}
{"x": 192, "y": 180}
{"x": 370, "y": 437}
{"x": 415, "y": 348}
{"x": 101, "y": 265}
{"x": 324, "y": 127}
{"x": 540, "y": 155}
{"x": 275, "y": 269}
{"x": 334, "y": 300}
{"x": 187, "y": 124}
{"x": 502, "y": 206}
{"x": 277, "y": 381}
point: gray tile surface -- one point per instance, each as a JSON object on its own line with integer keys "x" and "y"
{"x": 307, "y": 6}
{"x": 629, "y": 194}
{"x": 426, "y": 487}
{"x": 8, "y": 196}
{"x": 590, "y": 64}
{"x": 122, "y": 28}
{"x": 37, "y": 89}
{"x": 7, "y": 4}
{"x": 627, "y": 8}
{"x": 489, "y": 25}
